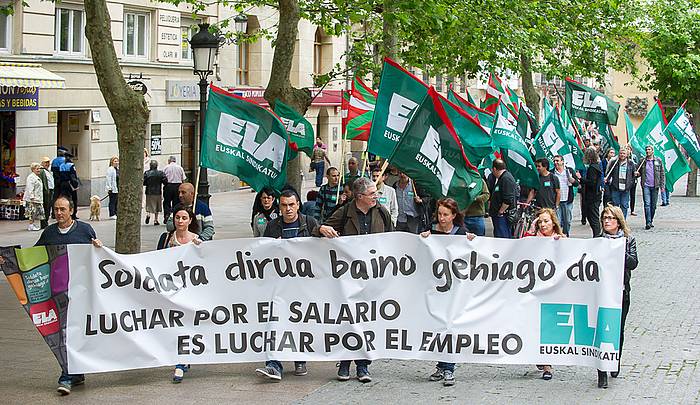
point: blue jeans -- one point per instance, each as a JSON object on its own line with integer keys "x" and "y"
{"x": 564, "y": 213}
{"x": 665, "y": 196}
{"x": 446, "y": 366}
{"x": 501, "y": 227}
{"x": 65, "y": 377}
{"x": 475, "y": 225}
{"x": 621, "y": 199}
{"x": 319, "y": 169}
{"x": 650, "y": 195}
{"x": 278, "y": 364}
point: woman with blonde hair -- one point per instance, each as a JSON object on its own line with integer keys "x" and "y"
{"x": 614, "y": 227}
{"x": 113, "y": 186}
{"x": 34, "y": 197}
{"x": 546, "y": 226}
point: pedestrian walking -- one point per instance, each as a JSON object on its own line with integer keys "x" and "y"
{"x": 175, "y": 175}
{"x": 568, "y": 179}
{"x": 619, "y": 178}
{"x": 614, "y": 226}
{"x": 361, "y": 216}
{"x": 353, "y": 171}
{"x": 34, "y": 197}
{"x": 112, "y": 186}
{"x": 605, "y": 163}
{"x": 154, "y": 180}
{"x": 66, "y": 231}
{"x": 319, "y": 158}
{"x": 290, "y": 224}
{"x": 185, "y": 231}
{"x": 504, "y": 193}
{"x": 265, "y": 209}
{"x": 47, "y": 181}
{"x": 652, "y": 177}
{"x": 633, "y": 192}
{"x": 409, "y": 215}
{"x": 592, "y": 190}
{"x": 55, "y": 168}
{"x": 328, "y": 194}
{"x": 69, "y": 181}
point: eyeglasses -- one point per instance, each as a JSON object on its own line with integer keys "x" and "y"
{"x": 609, "y": 218}
{"x": 372, "y": 195}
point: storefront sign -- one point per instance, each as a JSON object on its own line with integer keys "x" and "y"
{"x": 169, "y": 36}
{"x": 181, "y": 90}
{"x": 320, "y": 97}
{"x": 19, "y": 98}
{"x": 156, "y": 145}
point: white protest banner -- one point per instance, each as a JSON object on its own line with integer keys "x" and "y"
{"x": 396, "y": 295}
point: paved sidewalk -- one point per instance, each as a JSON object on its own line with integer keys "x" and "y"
{"x": 659, "y": 364}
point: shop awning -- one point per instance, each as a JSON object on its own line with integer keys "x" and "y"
{"x": 29, "y": 75}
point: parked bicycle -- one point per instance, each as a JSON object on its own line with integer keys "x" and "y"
{"x": 526, "y": 217}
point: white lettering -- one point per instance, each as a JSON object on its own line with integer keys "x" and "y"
{"x": 400, "y": 110}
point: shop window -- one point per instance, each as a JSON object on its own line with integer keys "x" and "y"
{"x": 70, "y": 31}
{"x": 243, "y": 63}
{"x": 136, "y": 35}
{"x": 5, "y": 32}
{"x": 187, "y": 33}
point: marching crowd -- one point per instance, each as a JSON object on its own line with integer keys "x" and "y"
{"x": 374, "y": 201}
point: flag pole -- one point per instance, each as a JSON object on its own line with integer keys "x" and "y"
{"x": 196, "y": 183}
{"x": 571, "y": 118}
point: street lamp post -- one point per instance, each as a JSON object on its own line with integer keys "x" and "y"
{"x": 204, "y": 46}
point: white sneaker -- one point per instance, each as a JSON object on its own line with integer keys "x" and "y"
{"x": 33, "y": 227}
{"x": 113, "y": 217}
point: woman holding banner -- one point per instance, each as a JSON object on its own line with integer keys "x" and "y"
{"x": 449, "y": 221}
{"x": 185, "y": 233}
{"x": 546, "y": 226}
{"x": 614, "y": 226}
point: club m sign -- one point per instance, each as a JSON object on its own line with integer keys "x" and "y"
{"x": 430, "y": 156}
{"x": 241, "y": 134}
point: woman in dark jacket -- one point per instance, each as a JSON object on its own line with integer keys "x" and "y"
{"x": 592, "y": 190}
{"x": 614, "y": 226}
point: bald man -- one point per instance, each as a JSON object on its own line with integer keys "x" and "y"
{"x": 353, "y": 171}
{"x": 201, "y": 212}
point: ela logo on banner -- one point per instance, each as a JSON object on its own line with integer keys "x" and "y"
{"x": 432, "y": 150}
{"x": 298, "y": 130}
{"x": 582, "y": 99}
{"x": 559, "y": 321}
{"x": 239, "y": 133}
{"x": 400, "y": 111}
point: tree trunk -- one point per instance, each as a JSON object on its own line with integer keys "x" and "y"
{"x": 532, "y": 97}
{"x": 279, "y": 86}
{"x": 389, "y": 29}
{"x": 130, "y": 113}
{"x": 692, "y": 186}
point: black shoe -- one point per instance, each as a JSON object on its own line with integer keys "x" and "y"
{"x": 602, "y": 379}
{"x": 651, "y": 225}
{"x": 583, "y": 222}
{"x": 148, "y": 219}
{"x": 647, "y": 227}
{"x": 614, "y": 374}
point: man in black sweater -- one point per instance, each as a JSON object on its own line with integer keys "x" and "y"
{"x": 504, "y": 194}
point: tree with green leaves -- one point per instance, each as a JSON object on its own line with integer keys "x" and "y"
{"x": 670, "y": 44}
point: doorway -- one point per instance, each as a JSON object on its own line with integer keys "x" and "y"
{"x": 189, "y": 120}
{"x": 8, "y": 187}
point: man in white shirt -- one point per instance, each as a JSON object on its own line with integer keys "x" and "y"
{"x": 387, "y": 195}
{"x": 175, "y": 176}
{"x": 568, "y": 179}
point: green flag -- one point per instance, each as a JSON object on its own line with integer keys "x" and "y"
{"x": 476, "y": 142}
{"x": 652, "y": 132}
{"x": 469, "y": 98}
{"x": 637, "y": 149}
{"x": 608, "y": 139}
{"x": 484, "y": 117}
{"x": 431, "y": 154}
{"x": 400, "y": 92}
{"x": 547, "y": 109}
{"x": 682, "y": 130}
{"x": 513, "y": 148}
{"x": 551, "y": 141}
{"x": 299, "y": 129}
{"x": 584, "y": 102}
{"x": 244, "y": 139}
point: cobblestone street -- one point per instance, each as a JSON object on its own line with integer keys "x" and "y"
{"x": 659, "y": 361}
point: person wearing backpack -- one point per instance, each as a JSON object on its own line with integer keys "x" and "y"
{"x": 361, "y": 216}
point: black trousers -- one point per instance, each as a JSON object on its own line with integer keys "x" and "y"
{"x": 113, "y": 201}
{"x": 633, "y": 196}
{"x": 592, "y": 214}
{"x": 48, "y": 205}
{"x": 170, "y": 198}
{"x": 625, "y": 311}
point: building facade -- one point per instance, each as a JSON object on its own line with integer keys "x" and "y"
{"x": 44, "y": 52}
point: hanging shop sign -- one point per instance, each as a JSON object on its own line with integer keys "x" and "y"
{"x": 19, "y": 98}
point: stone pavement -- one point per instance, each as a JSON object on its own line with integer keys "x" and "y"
{"x": 659, "y": 362}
